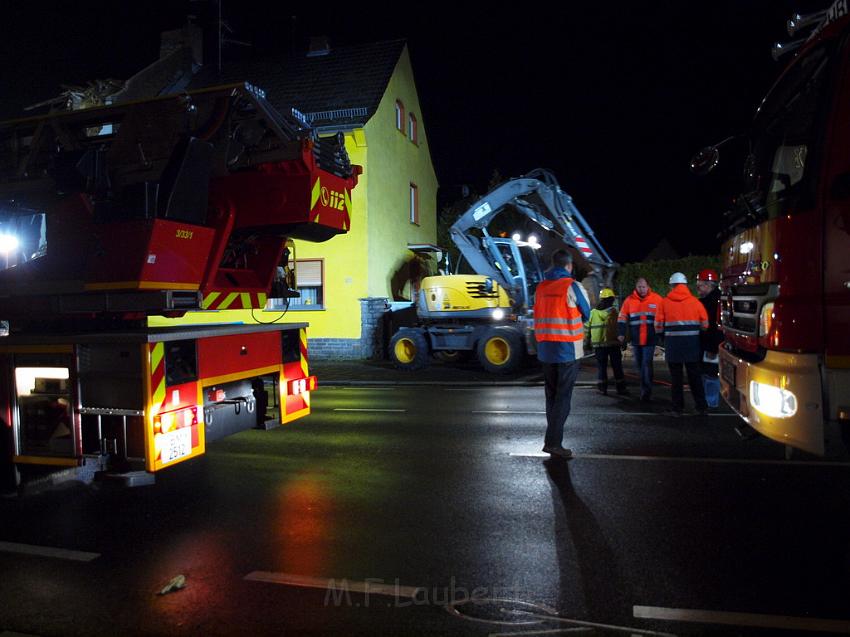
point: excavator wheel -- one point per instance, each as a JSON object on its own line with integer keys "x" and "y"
{"x": 500, "y": 350}
{"x": 409, "y": 349}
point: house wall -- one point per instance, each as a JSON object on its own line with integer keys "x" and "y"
{"x": 345, "y": 262}
{"x": 370, "y": 264}
{"x": 394, "y": 163}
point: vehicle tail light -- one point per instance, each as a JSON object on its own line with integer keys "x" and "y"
{"x": 171, "y": 420}
{"x": 301, "y": 385}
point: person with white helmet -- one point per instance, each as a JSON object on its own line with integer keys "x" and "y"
{"x": 680, "y": 319}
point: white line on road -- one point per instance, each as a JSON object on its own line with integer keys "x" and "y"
{"x": 369, "y": 587}
{"x": 742, "y": 619}
{"x": 394, "y": 411}
{"x": 602, "y": 456}
{"x": 47, "y": 551}
{"x": 595, "y": 413}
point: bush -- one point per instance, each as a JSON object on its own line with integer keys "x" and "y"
{"x": 657, "y": 273}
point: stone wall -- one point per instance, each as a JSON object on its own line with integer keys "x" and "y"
{"x": 371, "y": 344}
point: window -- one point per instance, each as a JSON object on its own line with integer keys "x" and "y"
{"x": 309, "y": 273}
{"x": 412, "y": 133}
{"x": 399, "y": 115}
{"x": 414, "y": 204}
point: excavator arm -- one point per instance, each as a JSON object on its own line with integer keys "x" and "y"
{"x": 538, "y": 196}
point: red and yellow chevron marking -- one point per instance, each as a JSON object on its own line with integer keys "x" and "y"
{"x": 234, "y": 301}
{"x": 314, "y": 197}
{"x": 157, "y": 358}
{"x": 295, "y": 407}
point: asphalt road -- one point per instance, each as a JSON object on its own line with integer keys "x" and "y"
{"x": 389, "y": 507}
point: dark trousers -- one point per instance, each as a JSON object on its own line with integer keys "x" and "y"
{"x": 643, "y": 360}
{"x": 603, "y": 355}
{"x": 694, "y": 371}
{"x": 559, "y": 379}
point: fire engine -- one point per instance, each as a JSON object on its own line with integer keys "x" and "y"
{"x": 785, "y": 310}
{"x": 164, "y": 206}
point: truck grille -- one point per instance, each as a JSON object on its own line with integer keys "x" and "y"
{"x": 741, "y": 305}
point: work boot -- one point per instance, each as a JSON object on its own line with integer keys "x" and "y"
{"x": 558, "y": 452}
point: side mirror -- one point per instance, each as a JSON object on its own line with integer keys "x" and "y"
{"x": 705, "y": 161}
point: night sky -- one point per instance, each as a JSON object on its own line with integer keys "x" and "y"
{"x": 613, "y": 97}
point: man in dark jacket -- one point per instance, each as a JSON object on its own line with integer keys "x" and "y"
{"x": 709, "y": 340}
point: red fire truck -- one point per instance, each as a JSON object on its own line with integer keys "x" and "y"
{"x": 785, "y": 311}
{"x": 158, "y": 207}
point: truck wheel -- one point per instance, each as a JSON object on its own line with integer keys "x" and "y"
{"x": 500, "y": 350}
{"x": 409, "y": 349}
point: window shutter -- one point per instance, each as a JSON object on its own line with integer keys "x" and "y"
{"x": 309, "y": 273}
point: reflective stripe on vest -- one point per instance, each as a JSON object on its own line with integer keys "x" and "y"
{"x": 554, "y": 320}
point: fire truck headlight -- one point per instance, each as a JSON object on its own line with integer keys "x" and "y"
{"x": 498, "y": 314}
{"x": 772, "y": 401}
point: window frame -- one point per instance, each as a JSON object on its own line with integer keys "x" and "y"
{"x": 413, "y": 128}
{"x": 413, "y": 203}
{"x": 399, "y": 116}
{"x": 294, "y": 304}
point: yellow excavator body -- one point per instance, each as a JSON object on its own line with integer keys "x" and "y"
{"x": 461, "y": 293}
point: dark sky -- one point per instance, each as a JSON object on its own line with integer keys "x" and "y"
{"x": 613, "y": 97}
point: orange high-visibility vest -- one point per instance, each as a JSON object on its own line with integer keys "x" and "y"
{"x": 554, "y": 319}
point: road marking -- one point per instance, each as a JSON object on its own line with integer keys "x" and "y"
{"x": 599, "y": 413}
{"x": 375, "y": 587}
{"x": 742, "y": 619}
{"x": 47, "y": 551}
{"x": 394, "y": 411}
{"x": 602, "y": 456}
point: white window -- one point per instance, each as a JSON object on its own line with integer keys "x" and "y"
{"x": 399, "y": 115}
{"x": 412, "y": 132}
{"x": 414, "y": 204}
{"x": 309, "y": 273}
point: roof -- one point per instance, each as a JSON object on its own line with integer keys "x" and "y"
{"x": 341, "y": 88}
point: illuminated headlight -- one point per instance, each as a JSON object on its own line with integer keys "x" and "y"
{"x": 498, "y": 314}
{"x": 772, "y": 401}
{"x": 765, "y": 319}
{"x": 8, "y": 243}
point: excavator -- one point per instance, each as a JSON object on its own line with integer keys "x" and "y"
{"x": 485, "y": 307}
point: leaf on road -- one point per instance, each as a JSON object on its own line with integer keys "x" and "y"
{"x": 176, "y": 583}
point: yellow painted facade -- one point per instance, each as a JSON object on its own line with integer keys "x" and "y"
{"x": 363, "y": 262}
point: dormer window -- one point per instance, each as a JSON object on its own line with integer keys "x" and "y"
{"x": 412, "y": 133}
{"x": 399, "y": 115}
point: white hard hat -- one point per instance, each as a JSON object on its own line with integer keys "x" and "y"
{"x": 678, "y": 277}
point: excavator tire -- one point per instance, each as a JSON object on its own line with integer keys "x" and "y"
{"x": 409, "y": 349}
{"x": 500, "y": 350}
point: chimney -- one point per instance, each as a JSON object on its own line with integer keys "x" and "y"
{"x": 319, "y": 45}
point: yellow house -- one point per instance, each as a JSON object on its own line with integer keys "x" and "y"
{"x": 368, "y": 93}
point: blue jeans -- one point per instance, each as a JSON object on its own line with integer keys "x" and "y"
{"x": 559, "y": 379}
{"x": 643, "y": 362}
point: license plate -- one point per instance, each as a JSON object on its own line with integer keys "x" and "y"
{"x": 177, "y": 444}
{"x": 727, "y": 372}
